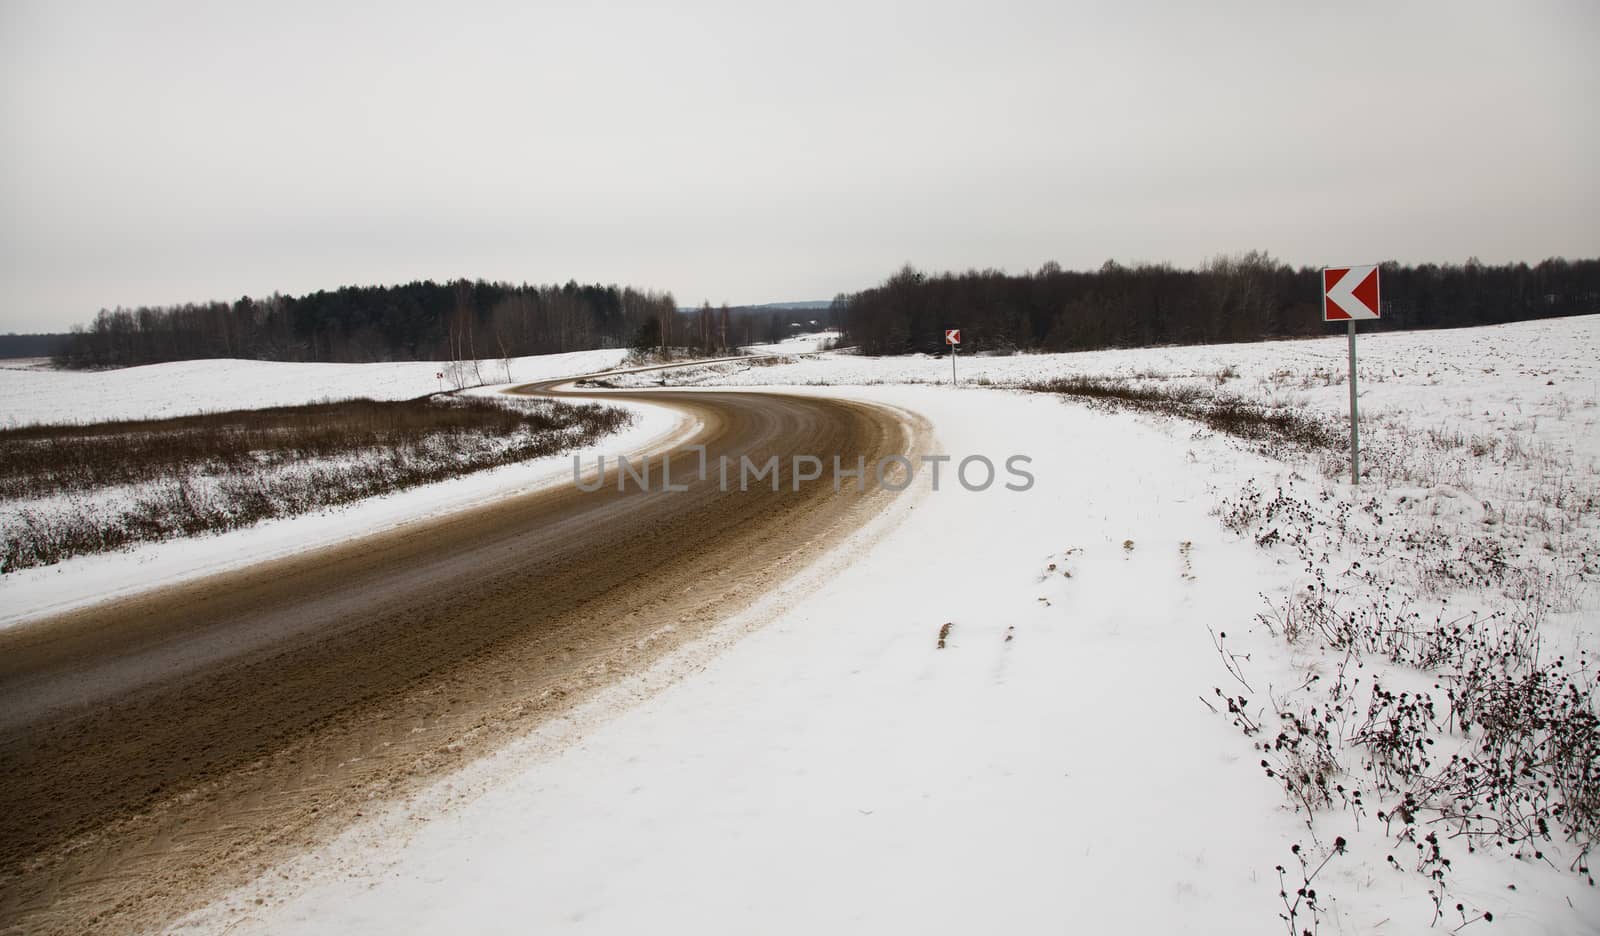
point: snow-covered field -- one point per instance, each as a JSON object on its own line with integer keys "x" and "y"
{"x": 799, "y": 344}
{"x": 1502, "y": 379}
{"x": 34, "y": 395}
{"x": 1067, "y": 761}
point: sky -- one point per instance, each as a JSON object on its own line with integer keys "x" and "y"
{"x": 746, "y": 152}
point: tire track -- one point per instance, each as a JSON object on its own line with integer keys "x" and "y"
{"x": 160, "y": 749}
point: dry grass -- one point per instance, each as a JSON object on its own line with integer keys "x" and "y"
{"x": 220, "y": 471}
{"x": 1268, "y": 426}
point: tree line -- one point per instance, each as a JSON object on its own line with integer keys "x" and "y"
{"x": 458, "y": 320}
{"x": 1231, "y": 298}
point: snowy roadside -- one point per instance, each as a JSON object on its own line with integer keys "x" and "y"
{"x": 830, "y": 769}
{"x": 1055, "y": 764}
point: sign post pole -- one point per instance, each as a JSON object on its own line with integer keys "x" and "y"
{"x": 1355, "y": 421}
{"x": 1350, "y": 294}
{"x": 952, "y": 337}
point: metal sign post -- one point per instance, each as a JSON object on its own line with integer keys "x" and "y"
{"x": 952, "y": 337}
{"x": 1355, "y": 421}
{"x": 1350, "y": 294}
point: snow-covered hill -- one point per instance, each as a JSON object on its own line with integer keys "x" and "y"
{"x": 35, "y": 395}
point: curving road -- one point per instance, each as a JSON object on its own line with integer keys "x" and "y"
{"x": 158, "y": 749}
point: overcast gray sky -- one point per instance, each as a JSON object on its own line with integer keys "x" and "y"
{"x": 748, "y": 152}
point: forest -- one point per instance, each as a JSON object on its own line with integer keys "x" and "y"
{"x": 462, "y": 320}
{"x": 1231, "y": 298}
{"x": 459, "y": 320}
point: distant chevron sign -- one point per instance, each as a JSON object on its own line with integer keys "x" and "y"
{"x": 1349, "y": 293}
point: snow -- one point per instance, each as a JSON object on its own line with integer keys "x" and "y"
{"x": 798, "y": 344}
{"x": 1524, "y": 371}
{"x": 33, "y": 395}
{"x": 820, "y": 764}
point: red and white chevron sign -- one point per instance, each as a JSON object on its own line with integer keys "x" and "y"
{"x": 1349, "y": 293}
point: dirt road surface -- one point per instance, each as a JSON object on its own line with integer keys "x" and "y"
{"x": 157, "y": 750}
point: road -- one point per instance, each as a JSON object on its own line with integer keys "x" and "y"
{"x": 162, "y": 748}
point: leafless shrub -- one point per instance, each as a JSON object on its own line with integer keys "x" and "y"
{"x": 1524, "y": 729}
{"x": 1305, "y": 895}
{"x": 1302, "y": 758}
